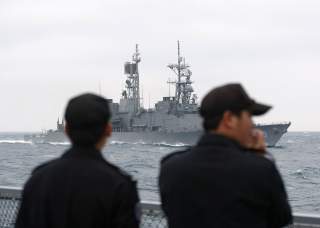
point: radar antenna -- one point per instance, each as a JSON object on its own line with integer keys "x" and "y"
{"x": 184, "y": 89}
{"x": 132, "y": 88}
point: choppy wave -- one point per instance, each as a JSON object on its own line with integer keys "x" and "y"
{"x": 310, "y": 171}
{"x": 11, "y": 141}
{"x": 300, "y": 173}
{"x": 59, "y": 143}
{"x": 117, "y": 143}
{"x": 161, "y": 144}
{"x": 164, "y": 144}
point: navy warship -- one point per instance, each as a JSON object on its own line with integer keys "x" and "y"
{"x": 173, "y": 120}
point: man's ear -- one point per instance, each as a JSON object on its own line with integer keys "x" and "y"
{"x": 66, "y": 129}
{"x": 229, "y": 120}
{"x": 108, "y": 130}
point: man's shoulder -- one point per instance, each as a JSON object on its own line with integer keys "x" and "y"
{"x": 257, "y": 162}
{"x": 258, "y": 157}
{"x": 44, "y": 165}
{"x": 118, "y": 171}
{"x": 174, "y": 156}
{"x": 100, "y": 168}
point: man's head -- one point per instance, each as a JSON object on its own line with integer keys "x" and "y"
{"x": 228, "y": 109}
{"x": 87, "y": 120}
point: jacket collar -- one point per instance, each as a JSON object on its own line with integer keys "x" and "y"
{"x": 85, "y": 152}
{"x": 213, "y": 139}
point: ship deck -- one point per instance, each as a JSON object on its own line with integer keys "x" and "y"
{"x": 152, "y": 214}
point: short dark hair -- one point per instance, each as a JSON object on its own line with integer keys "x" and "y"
{"x": 86, "y": 117}
{"x": 88, "y": 137}
{"x": 213, "y": 122}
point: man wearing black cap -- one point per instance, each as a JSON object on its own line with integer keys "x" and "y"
{"x": 81, "y": 189}
{"x": 225, "y": 180}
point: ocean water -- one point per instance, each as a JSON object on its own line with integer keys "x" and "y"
{"x": 297, "y": 155}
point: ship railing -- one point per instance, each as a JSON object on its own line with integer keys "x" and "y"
{"x": 152, "y": 215}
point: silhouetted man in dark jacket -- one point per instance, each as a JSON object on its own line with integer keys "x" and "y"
{"x": 225, "y": 180}
{"x": 81, "y": 189}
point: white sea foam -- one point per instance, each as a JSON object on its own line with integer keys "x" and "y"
{"x": 60, "y": 143}
{"x": 164, "y": 144}
{"x": 10, "y": 141}
{"x": 141, "y": 143}
{"x": 117, "y": 142}
{"x": 300, "y": 173}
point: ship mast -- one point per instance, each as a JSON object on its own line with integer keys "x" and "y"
{"x": 132, "y": 92}
{"x": 184, "y": 89}
{"x": 136, "y": 59}
{"x": 178, "y": 89}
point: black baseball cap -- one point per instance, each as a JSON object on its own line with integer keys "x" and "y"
{"x": 230, "y": 97}
{"x": 86, "y": 111}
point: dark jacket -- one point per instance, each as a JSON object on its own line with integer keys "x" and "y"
{"x": 80, "y": 189}
{"x": 218, "y": 184}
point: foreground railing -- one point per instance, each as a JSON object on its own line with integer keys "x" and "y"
{"x": 152, "y": 216}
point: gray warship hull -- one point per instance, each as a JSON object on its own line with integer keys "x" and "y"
{"x": 273, "y": 133}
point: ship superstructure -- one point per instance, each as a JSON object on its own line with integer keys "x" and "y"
{"x": 178, "y": 113}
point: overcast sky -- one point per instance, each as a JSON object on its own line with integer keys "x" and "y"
{"x": 52, "y": 50}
